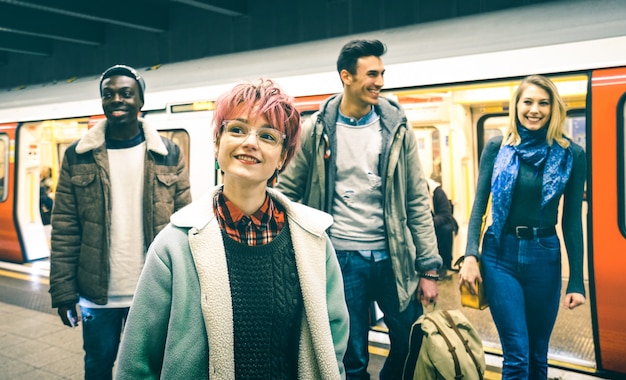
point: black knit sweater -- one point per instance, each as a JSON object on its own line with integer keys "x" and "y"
{"x": 267, "y": 307}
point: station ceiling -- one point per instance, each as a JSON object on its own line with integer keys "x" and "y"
{"x": 46, "y": 40}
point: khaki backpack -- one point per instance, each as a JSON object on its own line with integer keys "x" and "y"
{"x": 450, "y": 348}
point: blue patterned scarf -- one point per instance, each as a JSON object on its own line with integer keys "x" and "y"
{"x": 554, "y": 161}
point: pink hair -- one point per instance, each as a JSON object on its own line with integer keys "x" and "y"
{"x": 262, "y": 97}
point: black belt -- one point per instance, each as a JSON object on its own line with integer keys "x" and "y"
{"x": 530, "y": 233}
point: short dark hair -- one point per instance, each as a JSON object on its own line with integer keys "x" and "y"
{"x": 356, "y": 49}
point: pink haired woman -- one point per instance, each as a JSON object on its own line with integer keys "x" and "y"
{"x": 243, "y": 283}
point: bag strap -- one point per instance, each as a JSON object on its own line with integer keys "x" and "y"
{"x": 485, "y": 216}
{"x": 451, "y": 348}
{"x": 415, "y": 344}
{"x": 465, "y": 343}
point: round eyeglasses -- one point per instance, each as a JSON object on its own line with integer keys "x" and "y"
{"x": 238, "y": 130}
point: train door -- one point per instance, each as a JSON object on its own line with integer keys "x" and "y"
{"x": 189, "y": 125}
{"x": 466, "y": 116}
{"x": 27, "y": 151}
{"x": 4, "y": 166}
{"x": 31, "y": 233}
{"x": 439, "y": 126}
{"x": 10, "y": 249}
{"x": 608, "y": 214}
{"x": 433, "y": 147}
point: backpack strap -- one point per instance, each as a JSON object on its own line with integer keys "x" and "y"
{"x": 465, "y": 342}
{"x": 415, "y": 344}
{"x": 451, "y": 348}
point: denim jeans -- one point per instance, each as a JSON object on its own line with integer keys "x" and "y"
{"x": 523, "y": 287}
{"x": 366, "y": 281}
{"x": 102, "y": 329}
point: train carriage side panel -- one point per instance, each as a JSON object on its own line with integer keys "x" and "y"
{"x": 609, "y": 243}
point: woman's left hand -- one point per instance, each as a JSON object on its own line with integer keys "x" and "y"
{"x": 573, "y": 300}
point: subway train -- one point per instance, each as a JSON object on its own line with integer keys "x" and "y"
{"x": 454, "y": 79}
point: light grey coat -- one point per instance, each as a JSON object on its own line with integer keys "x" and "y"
{"x": 310, "y": 179}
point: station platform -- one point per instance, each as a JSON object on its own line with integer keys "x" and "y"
{"x": 34, "y": 344}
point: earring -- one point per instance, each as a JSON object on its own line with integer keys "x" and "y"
{"x": 217, "y": 165}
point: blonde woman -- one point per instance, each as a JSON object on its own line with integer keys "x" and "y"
{"x": 527, "y": 173}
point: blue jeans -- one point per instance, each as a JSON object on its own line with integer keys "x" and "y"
{"x": 366, "y": 281}
{"x": 523, "y": 287}
{"x": 102, "y": 329}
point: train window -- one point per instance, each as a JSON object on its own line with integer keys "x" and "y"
{"x": 61, "y": 148}
{"x": 576, "y": 127}
{"x": 193, "y": 107}
{"x": 181, "y": 138}
{"x": 4, "y": 166}
{"x": 490, "y": 126}
{"x": 429, "y": 148}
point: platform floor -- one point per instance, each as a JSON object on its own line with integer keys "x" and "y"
{"x": 35, "y": 345}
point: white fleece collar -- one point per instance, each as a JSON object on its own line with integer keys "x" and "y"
{"x": 316, "y": 355}
{"x": 95, "y": 138}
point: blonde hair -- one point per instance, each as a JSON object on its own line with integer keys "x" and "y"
{"x": 556, "y": 124}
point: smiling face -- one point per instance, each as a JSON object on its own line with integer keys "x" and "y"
{"x": 363, "y": 88}
{"x": 247, "y": 160}
{"x": 534, "y": 108}
{"x": 121, "y": 102}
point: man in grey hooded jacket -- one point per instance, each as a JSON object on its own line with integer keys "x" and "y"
{"x": 359, "y": 162}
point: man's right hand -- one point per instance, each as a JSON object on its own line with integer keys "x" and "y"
{"x": 67, "y": 312}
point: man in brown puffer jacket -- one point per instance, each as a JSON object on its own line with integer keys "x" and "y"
{"x": 118, "y": 186}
